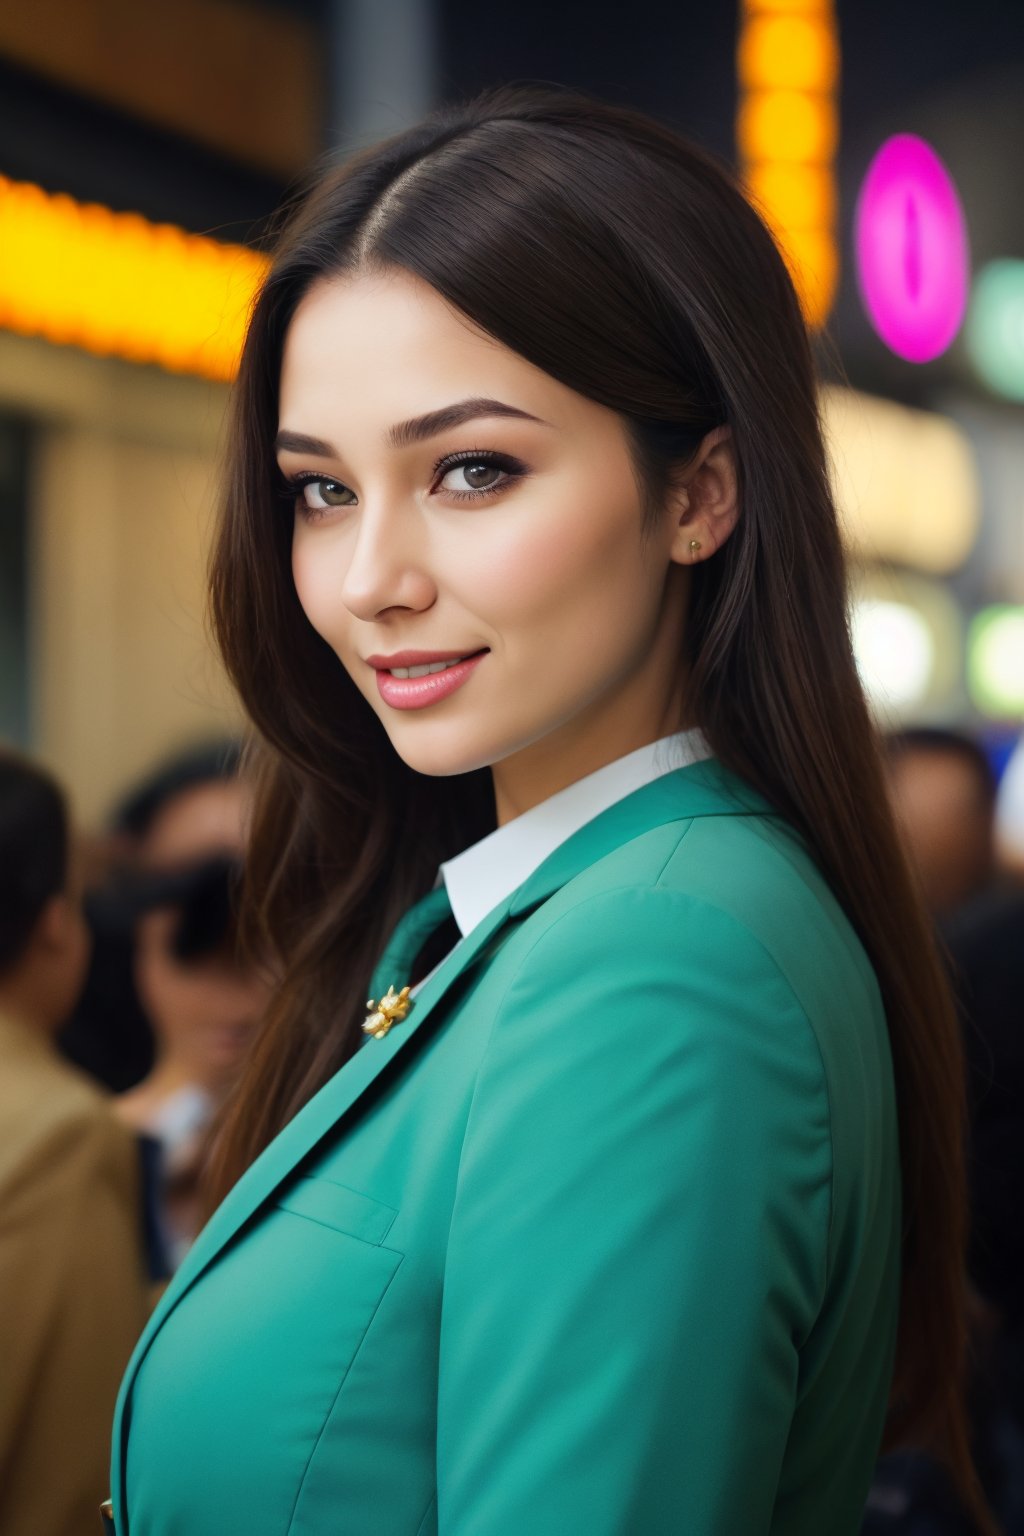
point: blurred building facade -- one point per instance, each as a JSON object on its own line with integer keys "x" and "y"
{"x": 196, "y": 115}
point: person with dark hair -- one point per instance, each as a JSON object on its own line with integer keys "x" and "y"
{"x": 985, "y": 945}
{"x": 202, "y": 995}
{"x": 983, "y": 940}
{"x": 598, "y": 1168}
{"x": 168, "y": 968}
{"x": 72, "y": 1292}
{"x": 945, "y": 795}
{"x": 109, "y": 1034}
{"x": 208, "y": 763}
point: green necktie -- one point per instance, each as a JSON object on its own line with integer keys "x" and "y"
{"x": 423, "y": 937}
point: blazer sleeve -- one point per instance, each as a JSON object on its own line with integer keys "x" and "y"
{"x": 639, "y": 1237}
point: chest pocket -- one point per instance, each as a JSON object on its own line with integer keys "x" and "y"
{"x": 283, "y": 1312}
{"x": 338, "y": 1207}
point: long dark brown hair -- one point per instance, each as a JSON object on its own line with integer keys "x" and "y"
{"x": 628, "y": 265}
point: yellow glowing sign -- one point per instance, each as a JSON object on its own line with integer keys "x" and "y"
{"x": 788, "y": 50}
{"x": 79, "y": 274}
{"x": 906, "y": 482}
{"x": 787, "y": 135}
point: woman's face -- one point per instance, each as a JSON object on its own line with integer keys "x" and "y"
{"x": 454, "y": 501}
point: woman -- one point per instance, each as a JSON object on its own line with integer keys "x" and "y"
{"x": 595, "y": 1228}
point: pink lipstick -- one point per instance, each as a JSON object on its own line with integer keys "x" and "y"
{"x": 418, "y": 692}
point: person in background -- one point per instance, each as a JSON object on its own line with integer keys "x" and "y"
{"x": 944, "y": 793}
{"x": 985, "y": 944}
{"x": 203, "y": 1001}
{"x": 109, "y": 1035}
{"x": 72, "y": 1288}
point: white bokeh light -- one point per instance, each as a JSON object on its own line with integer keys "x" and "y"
{"x": 894, "y": 650}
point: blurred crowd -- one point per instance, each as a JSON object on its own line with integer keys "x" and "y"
{"x": 127, "y": 1007}
{"x": 946, "y": 799}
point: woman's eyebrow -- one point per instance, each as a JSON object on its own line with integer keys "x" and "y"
{"x": 298, "y": 442}
{"x": 416, "y": 430}
{"x": 421, "y": 427}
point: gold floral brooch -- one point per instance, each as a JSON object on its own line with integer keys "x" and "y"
{"x": 392, "y": 1007}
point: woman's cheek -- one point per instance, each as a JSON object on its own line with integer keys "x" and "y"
{"x": 545, "y": 559}
{"x": 313, "y": 585}
{"x": 570, "y": 569}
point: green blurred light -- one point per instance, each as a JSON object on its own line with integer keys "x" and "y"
{"x": 994, "y": 333}
{"x": 995, "y": 660}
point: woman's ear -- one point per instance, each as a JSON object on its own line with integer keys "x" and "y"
{"x": 705, "y": 504}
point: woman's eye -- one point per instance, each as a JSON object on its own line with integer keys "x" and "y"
{"x": 474, "y": 475}
{"x": 318, "y": 495}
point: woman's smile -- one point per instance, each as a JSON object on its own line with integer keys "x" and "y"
{"x": 418, "y": 685}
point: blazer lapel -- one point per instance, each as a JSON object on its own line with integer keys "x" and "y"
{"x": 327, "y": 1107}
{"x": 323, "y": 1112}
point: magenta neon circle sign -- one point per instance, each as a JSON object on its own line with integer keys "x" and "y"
{"x": 913, "y": 263}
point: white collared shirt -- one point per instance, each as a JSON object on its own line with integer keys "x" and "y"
{"x": 491, "y": 869}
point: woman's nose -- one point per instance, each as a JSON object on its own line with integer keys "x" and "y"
{"x": 387, "y": 567}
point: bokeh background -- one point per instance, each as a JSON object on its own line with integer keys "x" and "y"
{"x": 144, "y": 148}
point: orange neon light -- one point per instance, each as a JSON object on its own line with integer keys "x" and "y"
{"x": 787, "y": 136}
{"x": 113, "y": 283}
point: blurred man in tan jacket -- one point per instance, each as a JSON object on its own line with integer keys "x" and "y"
{"x": 72, "y": 1289}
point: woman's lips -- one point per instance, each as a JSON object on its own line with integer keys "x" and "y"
{"x": 418, "y": 692}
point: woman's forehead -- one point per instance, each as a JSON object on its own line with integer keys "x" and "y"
{"x": 377, "y": 349}
{"x": 370, "y": 324}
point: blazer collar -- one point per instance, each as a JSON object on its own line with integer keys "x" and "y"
{"x": 702, "y": 789}
{"x": 482, "y": 875}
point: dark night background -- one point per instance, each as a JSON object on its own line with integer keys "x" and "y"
{"x": 948, "y": 70}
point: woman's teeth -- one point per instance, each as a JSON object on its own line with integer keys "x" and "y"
{"x": 430, "y": 666}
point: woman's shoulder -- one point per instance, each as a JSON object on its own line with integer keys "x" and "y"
{"x": 751, "y": 869}
{"x": 692, "y": 918}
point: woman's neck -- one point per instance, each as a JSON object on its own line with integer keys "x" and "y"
{"x": 563, "y": 757}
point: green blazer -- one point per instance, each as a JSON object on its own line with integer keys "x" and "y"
{"x": 602, "y": 1239}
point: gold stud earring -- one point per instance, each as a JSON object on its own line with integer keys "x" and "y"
{"x": 694, "y": 546}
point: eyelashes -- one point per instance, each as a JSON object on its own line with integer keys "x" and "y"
{"x": 298, "y": 491}
{"x": 313, "y": 495}
{"x": 470, "y": 459}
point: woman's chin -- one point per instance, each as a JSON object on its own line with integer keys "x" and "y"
{"x": 442, "y": 754}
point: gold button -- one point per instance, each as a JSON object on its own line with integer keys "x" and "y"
{"x": 107, "y": 1508}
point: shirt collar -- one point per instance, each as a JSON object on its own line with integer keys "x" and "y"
{"x": 491, "y": 869}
